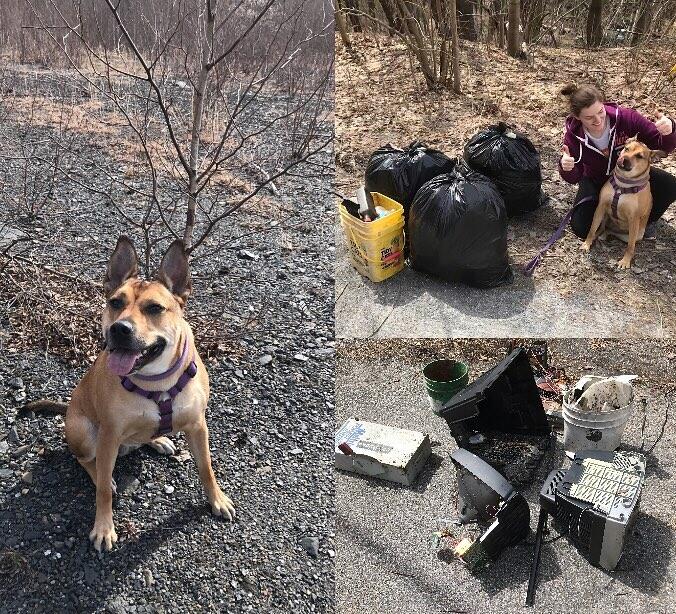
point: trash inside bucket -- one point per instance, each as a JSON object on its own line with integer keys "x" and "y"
{"x": 443, "y": 379}
{"x": 376, "y": 248}
{"x": 592, "y": 419}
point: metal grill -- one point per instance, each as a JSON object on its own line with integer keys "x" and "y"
{"x": 604, "y": 484}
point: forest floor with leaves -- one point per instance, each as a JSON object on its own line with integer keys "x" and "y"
{"x": 380, "y": 99}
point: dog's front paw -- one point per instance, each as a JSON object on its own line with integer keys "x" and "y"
{"x": 625, "y": 263}
{"x": 103, "y": 533}
{"x": 222, "y": 505}
{"x": 163, "y": 445}
{"x": 586, "y": 246}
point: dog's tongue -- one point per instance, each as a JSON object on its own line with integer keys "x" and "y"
{"x": 121, "y": 362}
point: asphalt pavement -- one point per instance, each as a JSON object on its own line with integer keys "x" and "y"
{"x": 386, "y": 559}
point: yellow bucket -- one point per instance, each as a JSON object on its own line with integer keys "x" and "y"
{"x": 376, "y": 248}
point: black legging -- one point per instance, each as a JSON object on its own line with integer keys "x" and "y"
{"x": 662, "y": 187}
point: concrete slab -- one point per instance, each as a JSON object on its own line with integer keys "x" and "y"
{"x": 412, "y": 304}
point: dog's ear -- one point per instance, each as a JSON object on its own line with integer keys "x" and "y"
{"x": 174, "y": 272}
{"x": 657, "y": 154}
{"x": 123, "y": 264}
{"x": 631, "y": 139}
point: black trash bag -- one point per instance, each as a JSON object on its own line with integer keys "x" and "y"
{"x": 399, "y": 173}
{"x": 512, "y": 162}
{"x": 457, "y": 229}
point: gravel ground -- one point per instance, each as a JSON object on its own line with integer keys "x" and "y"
{"x": 270, "y": 418}
{"x": 386, "y": 560}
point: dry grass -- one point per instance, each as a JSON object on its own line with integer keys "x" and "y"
{"x": 56, "y": 312}
{"x": 89, "y": 118}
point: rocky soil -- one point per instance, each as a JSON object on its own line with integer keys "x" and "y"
{"x": 262, "y": 310}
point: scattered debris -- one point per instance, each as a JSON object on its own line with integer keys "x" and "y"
{"x": 503, "y": 399}
{"x": 485, "y": 495}
{"x": 515, "y": 455}
{"x": 502, "y": 417}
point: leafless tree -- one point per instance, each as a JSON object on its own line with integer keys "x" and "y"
{"x": 425, "y": 27}
{"x": 192, "y": 81}
{"x": 342, "y": 27}
{"x": 642, "y": 23}
{"x": 577, "y": 22}
{"x": 594, "y": 21}
{"x": 453, "y": 22}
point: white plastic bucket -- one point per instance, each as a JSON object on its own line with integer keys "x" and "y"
{"x": 593, "y": 430}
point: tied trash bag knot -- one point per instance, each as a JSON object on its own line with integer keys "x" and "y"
{"x": 399, "y": 173}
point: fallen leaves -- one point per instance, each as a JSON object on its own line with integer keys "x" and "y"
{"x": 379, "y": 100}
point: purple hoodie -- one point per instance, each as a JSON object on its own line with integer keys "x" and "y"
{"x": 624, "y": 123}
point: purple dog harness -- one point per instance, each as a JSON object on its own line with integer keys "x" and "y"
{"x": 637, "y": 186}
{"x": 166, "y": 406}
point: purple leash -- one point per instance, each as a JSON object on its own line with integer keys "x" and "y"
{"x": 165, "y": 407}
{"x": 529, "y": 269}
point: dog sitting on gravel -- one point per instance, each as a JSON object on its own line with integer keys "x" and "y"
{"x": 147, "y": 383}
{"x": 625, "y": 200}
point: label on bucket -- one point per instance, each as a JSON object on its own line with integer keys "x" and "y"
{"x": 379, "y": 257}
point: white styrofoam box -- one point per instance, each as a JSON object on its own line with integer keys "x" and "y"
{"x": 385, "y": 452}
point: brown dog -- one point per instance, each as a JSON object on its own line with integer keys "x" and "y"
{"x": 625, "y": 200}
{"x": 149, "y": 350}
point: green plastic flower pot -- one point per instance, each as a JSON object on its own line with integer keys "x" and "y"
{"x": 443, "y": 379}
